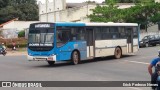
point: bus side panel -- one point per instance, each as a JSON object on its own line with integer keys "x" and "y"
{"x": 64, "y": 52}
{"x": 40, "y": 53}
{"x": 107, "y": 47}
{"x": 135, "y": 45}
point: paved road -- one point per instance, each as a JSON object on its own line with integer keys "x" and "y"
{"x": 128, "y": 68}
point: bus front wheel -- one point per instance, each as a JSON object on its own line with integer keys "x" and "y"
{"x": 75, "y": 58}
{"x": 118, "y": 53}
{"x": 51, "y": 63}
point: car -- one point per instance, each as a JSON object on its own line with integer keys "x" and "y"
{"x": 150, "y": 40}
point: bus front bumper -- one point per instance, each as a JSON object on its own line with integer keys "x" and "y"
{"x": 41, "y": 58}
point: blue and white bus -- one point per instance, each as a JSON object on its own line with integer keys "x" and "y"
{"x": 53, "y": 42}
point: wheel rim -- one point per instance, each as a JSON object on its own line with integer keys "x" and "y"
{"x": 75, "y": 57}
{"x": 147, "y": 45}
{"x": 118, "y": 53}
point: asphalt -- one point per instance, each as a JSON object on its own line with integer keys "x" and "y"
{"x": 128, "y": 68}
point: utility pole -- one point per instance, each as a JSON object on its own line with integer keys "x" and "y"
{"x": 47, "y": 10}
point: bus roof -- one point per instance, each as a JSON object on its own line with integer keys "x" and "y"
{"x": 94, "y": 24}
{"x": 87, "y": 24}
{"x": 69, "y": 24}
{"x": 111, "y": 24}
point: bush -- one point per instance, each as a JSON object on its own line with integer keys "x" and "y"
{"x": 22, "y": 45}
{"x": 22, "y": 42}
{"x": 21, "y": 33}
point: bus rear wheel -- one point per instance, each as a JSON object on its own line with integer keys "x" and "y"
{"x": 51, "y": 63}
{"x": 118, "y": 53}
{"x": 75, "y": 58}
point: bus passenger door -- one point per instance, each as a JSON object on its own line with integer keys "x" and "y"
{"x": 90, "y": 42}
{"x": 129, "y": 34}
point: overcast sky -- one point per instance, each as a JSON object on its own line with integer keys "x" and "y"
{"x": 76, "y": 1}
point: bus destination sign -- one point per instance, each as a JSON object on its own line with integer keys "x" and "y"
{"x": 40, "y": 44}
{"x": 42, "y": 26}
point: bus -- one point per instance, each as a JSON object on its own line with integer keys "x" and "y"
{"x": 72, "y": 41}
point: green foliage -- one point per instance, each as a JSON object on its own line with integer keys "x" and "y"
{"x": 141, "y": 13}
{"x": 90, "y": 2}
{"x": 21, "y": 34}
{"x": 105, "y": 13}
{"x": 22, "y": 9}
{"x": 134, "y": 1}
{"x": 156, "y": 18}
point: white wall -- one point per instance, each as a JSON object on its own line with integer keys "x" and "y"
{"x": 77, "y": 14}
{"x": 148, "y": 33}
{"x": 9, "y": 25}
{"x": 157, "y": 0}
{"x": 46, "y": 10}
{"x": 11, "y": 29}
{"x": 18, "y": 25}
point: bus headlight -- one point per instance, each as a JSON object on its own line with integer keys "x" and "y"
{"x": 50, "y": 58}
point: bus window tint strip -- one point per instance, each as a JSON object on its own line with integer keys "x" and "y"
{"x": 51, "y": 30}
{"x": 103, "y": 33}
{"x": 66, "y": 34}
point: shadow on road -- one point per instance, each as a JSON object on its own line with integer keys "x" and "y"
{"x": 109, "y": 58}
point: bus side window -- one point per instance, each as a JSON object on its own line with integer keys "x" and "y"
{"x": 63, "y": 36}
{"x": 73, "y": 34}
{"x": 98, "y": 33}
{"x": 77, "y": 33}
{"x": 59, "y": 37}
{"x": 114, "y": 32}
{"x": 122, "y": 34}
{"x": 135, "y": 32}
{"x": 105, "y": 32}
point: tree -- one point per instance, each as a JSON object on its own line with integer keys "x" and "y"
{"x": 107, "y": 13}
{"x": 22, "y": 9}
{"x": 4, "y": 3}
{"x": 144, "y": 13}
{"x": 134, "y": 1}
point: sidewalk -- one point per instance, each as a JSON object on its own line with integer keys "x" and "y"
{"x": 16, "y": 53}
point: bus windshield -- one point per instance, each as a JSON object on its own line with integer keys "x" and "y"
{"x": 42, "y": 37}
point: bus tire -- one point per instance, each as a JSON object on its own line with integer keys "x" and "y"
{"x": 75, "y": 58}
{"x": 51, "y": 63}
{"x": 118, "y": 53}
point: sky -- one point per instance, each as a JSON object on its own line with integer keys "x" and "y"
{"x": 76, "y": 1}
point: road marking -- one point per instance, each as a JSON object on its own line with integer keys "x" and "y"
{"x": 135, "y": 88}
{"x": 137, "y": 62}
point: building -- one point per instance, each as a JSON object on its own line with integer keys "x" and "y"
{"x": 157, "y": 1}
{"x": 50, "y": 11}
{"x": 11, "y": 28}
{"x": 60, "y": 11}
